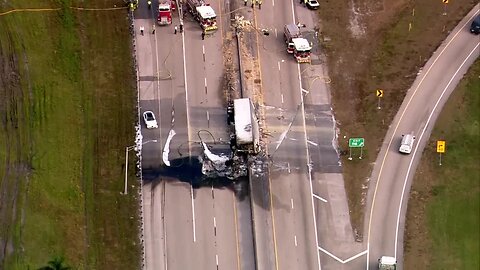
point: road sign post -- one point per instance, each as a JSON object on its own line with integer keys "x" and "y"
{"x": 440, "y": 150}
{"x": 356, "y": 143}
{"x": 445, "y": 2}
{"x": 379, "y": 95}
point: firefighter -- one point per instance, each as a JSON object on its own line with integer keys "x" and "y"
{"x": 245, "y": 2}
{"x": 141, "y": 30}
{"x": 259, "y": 2}
{"x": 149, "y": 3}
{"x": 132, "y": 8}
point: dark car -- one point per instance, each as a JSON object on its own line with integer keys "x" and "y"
{"x": 475, "y": 27}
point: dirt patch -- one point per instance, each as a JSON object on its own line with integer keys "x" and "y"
{"x": 392, "y": 41}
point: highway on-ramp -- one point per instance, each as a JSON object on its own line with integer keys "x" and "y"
{"x": 393, "y": 172}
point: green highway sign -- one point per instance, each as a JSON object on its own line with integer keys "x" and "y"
{"x": 356, "y": 142}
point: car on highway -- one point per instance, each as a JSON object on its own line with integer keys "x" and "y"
{"x": 406, "y": 145}
{"x": 149, "y": 118}
{"x": 475, "y": 26}
{"x": 312, "y": 4}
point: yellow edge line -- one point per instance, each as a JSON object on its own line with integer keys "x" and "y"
{"x": 269, "y": 181}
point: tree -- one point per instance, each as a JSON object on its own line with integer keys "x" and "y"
{"x": 58, "y": 263}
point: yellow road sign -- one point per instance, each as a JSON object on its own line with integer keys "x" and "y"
{"x": 445, "y": 1}
{"x": 379, "y": 93}
{"x": 440, "y": 146}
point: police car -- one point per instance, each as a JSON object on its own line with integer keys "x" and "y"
{"x": 312, "y": 4}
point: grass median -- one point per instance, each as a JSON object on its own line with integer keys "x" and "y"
{"x": 69, "y": 100}
{"x": 443, "y": 217}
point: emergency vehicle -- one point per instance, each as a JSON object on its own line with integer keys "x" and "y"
{"x": 296, "y": 44}
{"x": 164, "y": 13}
{"x": 204, "y": 14}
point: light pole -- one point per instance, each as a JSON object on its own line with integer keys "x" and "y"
{"x": 129, "y": 148}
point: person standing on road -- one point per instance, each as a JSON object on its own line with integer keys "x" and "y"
{"x": 181, "y": 27}
{"x": 149, "y": 3}
{"x": 175, "y": 29}
{"x": 153, "y": 29}
{"x": 259, "y": 2}
{"x": 141, "y": 30}
{"x": 245, "y": 2}
{"x": 203, "y": 35}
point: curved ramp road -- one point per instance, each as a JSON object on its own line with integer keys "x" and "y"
{"x": 394, "y": 171}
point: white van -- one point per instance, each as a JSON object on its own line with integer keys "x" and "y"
{"x": 407, "y": 143}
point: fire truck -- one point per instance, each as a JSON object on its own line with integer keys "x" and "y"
{"x": 204, "y": 14}
{"x": 296, "y": 44}
{"x": 164, "y": 13}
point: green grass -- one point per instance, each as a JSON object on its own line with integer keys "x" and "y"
{"x": 75, "y": 104}
{"x": 447, "y": 198}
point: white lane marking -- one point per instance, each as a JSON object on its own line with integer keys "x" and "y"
{"x": 216, "y": 258}
{"x": 420, "y": 139}
{"x": 205, "y": 80}
{"x": 340, "y": 260}
{"x": 273, "y": 3}
{"x": 312, "y": 143}
{"x": 214, "y": 222}
{"x": 296, "y": 244}
{"x": 308, "y": 159}
{"x": 203, "y": 49}
{"x": 193, "y": 214}
{"x": 320, "y": 198}
{"x": 396, "y": 127}
{"x": 186, "y": 94}
{"x": 291, "y": 203}
{"x": 278, "y": 64}
{"x": 276, "y": 35}
{"x": 208, "y": 116}
{"x": 306, "y": 147}
{"x": 282, "y": 98}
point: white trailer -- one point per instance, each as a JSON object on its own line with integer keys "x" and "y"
{"x": 247, "y": 133}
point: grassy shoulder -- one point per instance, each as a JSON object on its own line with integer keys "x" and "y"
{"x": 72, "y": 107}
{"x": 443, "y": 217}
{"x": 392, "y": 39}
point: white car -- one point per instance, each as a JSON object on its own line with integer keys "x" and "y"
{"x": 312, "y": 4}
{"x": 150, "y": 120}
{"x": 406, "y": 145}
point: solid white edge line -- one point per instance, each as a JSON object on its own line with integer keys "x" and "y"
{"x": 186, "y": 93}
{"x": 420, "y": 139}
{"x": 291, "y": 202}
{"x": 308, "y": 154}
{"x": 395, "y": 130}
{"x": 193, "y": 214}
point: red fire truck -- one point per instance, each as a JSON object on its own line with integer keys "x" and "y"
{"x": 296, "y": 44}
{"x": 204, "y": 14}
{"x": 164, "y": 13}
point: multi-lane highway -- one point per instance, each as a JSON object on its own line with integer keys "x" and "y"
{"x": 388, "y": 195}
{"x": 299, "y": 208}
{"x": 180, "y": 80}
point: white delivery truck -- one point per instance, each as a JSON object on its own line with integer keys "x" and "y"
{"x": 406, "y": 145}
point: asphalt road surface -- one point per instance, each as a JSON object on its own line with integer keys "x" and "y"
{"x": 393, "y": 172}
{"x": 180, "y": 80}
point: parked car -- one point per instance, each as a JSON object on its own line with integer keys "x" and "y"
{"x": 149, "y": 118}
{"x": 312, "y": 4}
{"x": 475, "y": 26}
